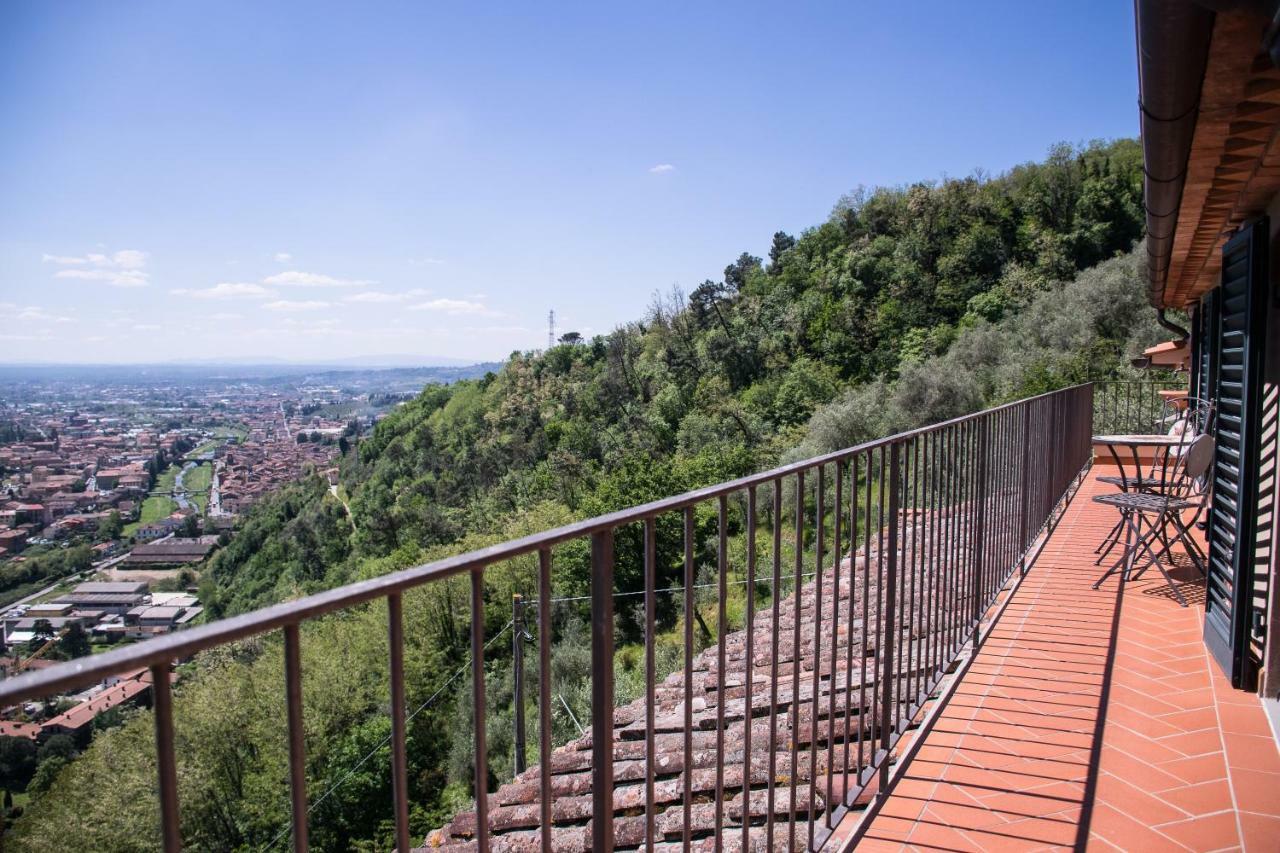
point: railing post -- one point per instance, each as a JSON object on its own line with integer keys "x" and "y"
{"x": 979, "y": 531}
{"x": 890, "y": 629}
{"x": 1023, "y": 544}
{"x": 544, "y": 694}
{"x": 297, "y": 745}
{"x": 602, "y": 691}
{"x": 517, "y": 678}
{"x": 399, "y": 757}
{"x": 481, "y": 758}
{"x": 166, "y": 760}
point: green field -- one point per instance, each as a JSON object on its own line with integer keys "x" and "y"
{"x": 154, "y": 508}
{"x": 209, "y": 446}
{"x": 220, "y": 435}
{"x": 164, "y": 483}
{"x": 197, "y": 482}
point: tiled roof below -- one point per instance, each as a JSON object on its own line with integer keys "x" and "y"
{"x": 840, "y": 735}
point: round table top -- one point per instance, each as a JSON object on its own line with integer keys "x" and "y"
{"x": 1153, "y": 440}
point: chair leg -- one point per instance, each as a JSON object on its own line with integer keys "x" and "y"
{"x": 1145, "y": 544}
{"x": 1193, "y": 549}
{"x": 1110, "y": 538}
{"x": 1180, "y": 530}
{"x": 1172, "y": 585}
{"x": 1113, "y": 539}
{"x": 1120, "y": 565}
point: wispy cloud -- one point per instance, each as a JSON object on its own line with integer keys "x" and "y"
{"x": 294, "y": 278}
{"x": 124, "y": 268}
{"x": 661, "y": 169}
{"x": 227, "y": 290}
{"x": 34, "y": 314}
{"x": 382, "y": 296}
{"x": 146, "y": 327}
{"x": 225, "y": 315}
{"x": 291, "y": 305}
{"x": 283, "y": 257}
{"x": 425, "y": 262}
{"x": 115, "y": 278}
{"x": 450, "y": 306}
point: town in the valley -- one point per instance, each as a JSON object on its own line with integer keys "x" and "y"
{"x": 117, "y": 486}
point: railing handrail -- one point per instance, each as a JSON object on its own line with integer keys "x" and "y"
{"x": 182, "y": 644}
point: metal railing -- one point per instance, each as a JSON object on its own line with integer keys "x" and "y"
{"x": 1126, "y": 406}
{"x": 926, "y": 527}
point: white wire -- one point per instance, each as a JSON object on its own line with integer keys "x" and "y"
{"x": 672, "y": 589}
{"x": 387, "y": 739}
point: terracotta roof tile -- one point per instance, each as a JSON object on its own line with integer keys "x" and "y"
{"x": 514, "y": 813}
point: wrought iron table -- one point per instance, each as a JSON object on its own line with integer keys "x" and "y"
{"x": 1116, "y": 445}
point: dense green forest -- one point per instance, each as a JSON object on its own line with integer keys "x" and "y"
{"x": 908, "y": 305}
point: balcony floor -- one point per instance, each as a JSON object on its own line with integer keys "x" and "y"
{"x": 1091, "y": 718}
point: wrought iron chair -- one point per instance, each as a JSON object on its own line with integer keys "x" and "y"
{"x": 1180, "y": 415}
{"x": 1160, "y": 510}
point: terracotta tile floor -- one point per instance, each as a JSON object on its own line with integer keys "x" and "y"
{"x": 1091, "y": 719}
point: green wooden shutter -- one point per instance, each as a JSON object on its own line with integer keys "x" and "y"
{"x": 1234, "y": 343}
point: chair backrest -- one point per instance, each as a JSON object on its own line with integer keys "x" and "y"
{"x": 1198, "y": 458}
{"x": 1192, "y": 417}
{"x": 1195, "y": 411}
{"x": 1200, "y": 415}
{"x": 1194, "y": 463}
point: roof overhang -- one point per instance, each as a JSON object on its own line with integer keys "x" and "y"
{"x": 1210, "y": 108}
{"x": 1173, "y": 355}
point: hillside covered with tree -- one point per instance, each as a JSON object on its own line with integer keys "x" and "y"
{"x": 908, "y": 305}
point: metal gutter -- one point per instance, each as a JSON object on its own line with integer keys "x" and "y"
{"x": 1173, "y": 48}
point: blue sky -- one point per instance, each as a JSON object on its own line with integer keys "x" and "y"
{"x": 316, "y": 181}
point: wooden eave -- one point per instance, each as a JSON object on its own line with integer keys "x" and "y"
{"x": 1233, "y": 170}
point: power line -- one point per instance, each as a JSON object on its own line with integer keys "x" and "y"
{"x": 386, "y": 740}
{"x": 458, "y": 672}
{"x": 672, "y": 589}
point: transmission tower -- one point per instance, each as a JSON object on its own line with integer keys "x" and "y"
{"x": 551, "y": 329}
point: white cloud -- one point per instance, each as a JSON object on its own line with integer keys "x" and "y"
{"x": 293, "y": 278}
{"x": 288, "y": 305}
{"x": 450, "y": 306}
{"x": 33, "y": 313}
{"x": 227, "y": 290}
{"x": 661, "y": 169}
{"x": 374, "y": 296}
{"x": 118, "y": 269}
{"x": 129, "y": 259}
{"x": 115, "y": 278}
{"x": 225, "y": 315}
{"x": 382, "y": 296}
{"x": 425, "y": 262}
{"x": 283, "y": 257}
